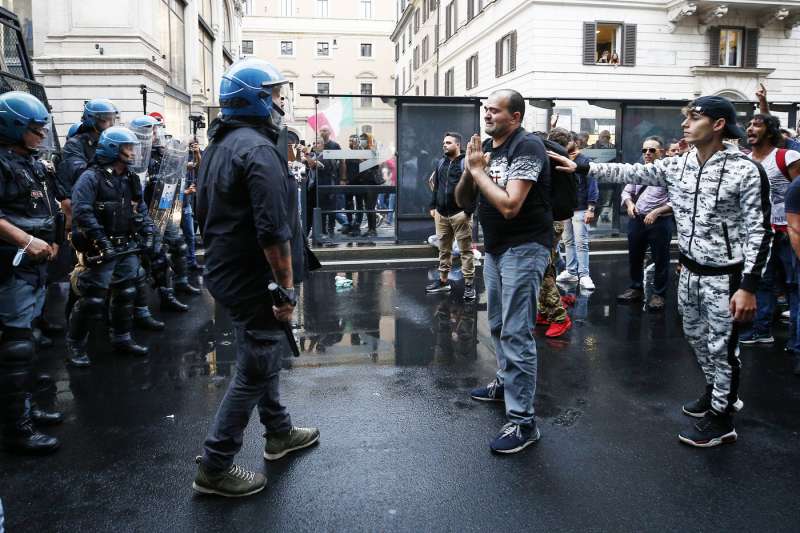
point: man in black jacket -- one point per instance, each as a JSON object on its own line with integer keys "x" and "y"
{"x": 452, "y": 222}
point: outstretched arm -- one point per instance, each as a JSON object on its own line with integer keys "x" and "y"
{"x": 654, "y": 174}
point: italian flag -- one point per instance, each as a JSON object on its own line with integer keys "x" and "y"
{"x": 338, "y": 116}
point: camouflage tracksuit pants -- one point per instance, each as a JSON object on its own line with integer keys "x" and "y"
{"x": 550, "y": 306}
{"x": 709, "y": 327}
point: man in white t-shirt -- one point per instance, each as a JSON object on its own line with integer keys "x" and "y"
{"x": 781, "y": 166}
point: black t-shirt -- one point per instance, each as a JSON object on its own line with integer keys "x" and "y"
{"x": 534, "y": 222}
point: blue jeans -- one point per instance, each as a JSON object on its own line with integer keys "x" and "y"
{"x": 512, "y": 282}
{"x": 383, "y": 203}
{"x": 187, "y": 227}
{"x": 576, "y": 241}
{"x": 782, "y": 260}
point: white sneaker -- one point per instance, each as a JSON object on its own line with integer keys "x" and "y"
{"x": 587, "y": 283}
{"x": 566, "y": 277}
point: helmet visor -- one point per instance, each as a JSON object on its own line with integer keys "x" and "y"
{"x": 40, "y": 137}
{"x": 104, "y": 121}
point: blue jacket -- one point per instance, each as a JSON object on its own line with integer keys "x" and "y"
{"x": 588, "y": 191}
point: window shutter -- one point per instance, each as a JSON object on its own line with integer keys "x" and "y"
{"x": 475, "y": 71}
{"x": 513, "y": 52}
{"x": 469, "y": 73}
{"x": 589, "y": 43}
{"x": 498, "y": 58}
{"x": 750, "y": 48}
{"x": 470, "y": 9}
{"x": 629, "y": 47}
{"x": 713, "y": 47}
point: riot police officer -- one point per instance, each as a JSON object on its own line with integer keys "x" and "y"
{"x": 172, "y": 238}
{"x": 78, "y": 152}
{"x": 247, "y": 209}
{"x": 105, "y": 230}
{"x": 29, "y": 227}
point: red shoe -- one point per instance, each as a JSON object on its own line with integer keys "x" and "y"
{"x": 568, "y": 300}
{"x": 557, "y": 329}
{"x": 541, "y": 320}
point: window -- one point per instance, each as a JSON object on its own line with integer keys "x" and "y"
{"x": 397, "y": 52}
{"x": 410, "y": 75}
{"x": 323, "y": 49}
{"x": 227, "y": 30}
{"x": 403, "y": 39}
{"x": 322, "y": 8}
{"x": 287, "y": 48}
{"x": 450, "y": 19}
{"x": 287, "y": 8}
{"x": 506, "y": 54}
{"x": 404, "y": 79}
{"x": 472, "y": 72}
{"x": 366, "y": 128}
{"x": 366, "y": 91}
{"x": 426, "y": 11}
{"x": 365, "y": 9}
{"x": 205, "y": 62}
{"x": 323, "y": 88}
{"x": 416, "y": 21}
{"x": 409, "y": 36}
{"x": 449, "y": 85}
{"x": 470, "y": 9}
{"x": 247, "y": 47}
{"x": 730, "y": 47}
{"x": 433, "y": 3}
{"x": 204, "y": 9}
{"x": 248, "y": 7}
{"x": 607, "y": 43}
{"x": 366, "y": 50}
{"x": 172, "y": 43}
{"x": 416, "y": 57}
{"x": 426, "y": 45}
{"x": 424, "y": 87}
{"x": 397, "y": 86}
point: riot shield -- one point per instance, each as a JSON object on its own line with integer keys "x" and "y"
{"x": 168, "y": 185}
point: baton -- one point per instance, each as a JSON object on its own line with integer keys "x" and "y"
{"x": 279, "y": 298}
{"x": 97, "y": 259}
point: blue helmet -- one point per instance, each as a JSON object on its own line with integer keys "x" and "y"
{"x": 246, "y": 89}
{"x": 111, "y": 141}
{"x": 18, "y": 111}
{"x": 145, "y": 121}
{"x": 73, "y": 129}
{"x": 99, "y": 108}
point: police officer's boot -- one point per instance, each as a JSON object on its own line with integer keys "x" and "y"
{"x": 181, "y": 279}
{"x": 122, "y": 298}
{"x": 142, "y": 318}
{"x": 16, "y": 357}
{"x": 169, "y": 302}
{"x": 42, "y": 342}
{"x": 87, "y": 309}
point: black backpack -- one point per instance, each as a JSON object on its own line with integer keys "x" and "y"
{"x": 563, "y": 186}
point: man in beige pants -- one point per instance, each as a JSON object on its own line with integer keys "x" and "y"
{"x": 452, "y": 222}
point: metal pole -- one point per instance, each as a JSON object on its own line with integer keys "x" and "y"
{"x": 143, "y": 92}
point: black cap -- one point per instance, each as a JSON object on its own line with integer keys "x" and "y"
{"x": 716, "y": 107}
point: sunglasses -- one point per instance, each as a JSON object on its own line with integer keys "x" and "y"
{"x": 649, "y": 150}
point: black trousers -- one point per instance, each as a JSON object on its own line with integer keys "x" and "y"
{"x": 657, "y": 236}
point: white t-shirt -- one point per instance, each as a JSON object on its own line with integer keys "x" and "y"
{"x": 778, "y": 183}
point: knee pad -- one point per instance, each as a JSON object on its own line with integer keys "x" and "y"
{"x": 93, "y": 302}
{"x": 124, "y": 293}
{"x": 18, "y": 350}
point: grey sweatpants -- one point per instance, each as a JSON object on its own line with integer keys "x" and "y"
{"x": 703, "y": 302}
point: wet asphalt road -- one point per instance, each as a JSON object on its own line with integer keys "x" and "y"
{"x": 385, "y": 374}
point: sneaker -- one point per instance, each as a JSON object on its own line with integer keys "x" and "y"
{"x": 631, "y": 295}
{"x": 702, "y": 405}
{"x": 493, "y": 392}
{"x": 557, "y": 329}
{"x": 541, "y": 320}
{"x": 566, "y": 277}
{"x": 234, "y": 483}
{"x": 756, "y": 338}
{"x": 438, "y": 286}
{"x": 469, "y": 291}
{"x": 712, "y": 430}
{"x": 514, "y": 438}
{"x": 587, "y": 283}
{"x": 786, "y": 316}
{"x": 280, "y": 444}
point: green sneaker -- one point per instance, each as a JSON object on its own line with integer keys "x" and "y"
{"x": 234, "y": 483}
{"x": 279, "y": 444}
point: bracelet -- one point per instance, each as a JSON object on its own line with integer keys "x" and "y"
{"x": 29, "y": 243}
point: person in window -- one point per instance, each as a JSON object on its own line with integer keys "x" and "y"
{"x": 614, "y": 58}
{"x": 603, "y": 140}
{"x": 603, "y": 58}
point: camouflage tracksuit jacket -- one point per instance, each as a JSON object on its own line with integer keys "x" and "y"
{"x": 722, "y": 208}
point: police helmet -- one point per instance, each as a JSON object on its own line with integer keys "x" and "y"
{"x": 18, "y": 112}
{"x": 111, "y": 142}
{"x": 99, "y": 109}
{"x": 145, "y": 121}
{"x": 246, "y": 88}
{"x": 73, "y": 129}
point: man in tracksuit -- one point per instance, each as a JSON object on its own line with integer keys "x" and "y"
{"x": 452, "y": 222}
{"x": 722, "y": 209}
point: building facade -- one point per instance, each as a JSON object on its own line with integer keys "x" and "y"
{"x": 642, "y": 49}
{"x": 176, "y": 50}
{"x": 328, "y": 47}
